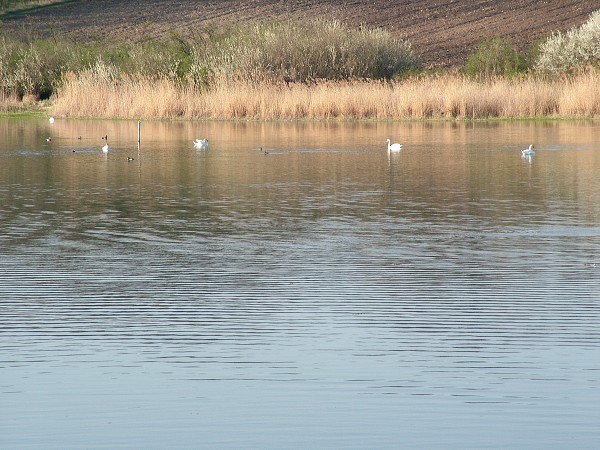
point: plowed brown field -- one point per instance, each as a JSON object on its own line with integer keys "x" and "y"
{"x": 442, "y": 32}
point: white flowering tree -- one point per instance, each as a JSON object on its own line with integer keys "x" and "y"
{"x": 575, "y": 49}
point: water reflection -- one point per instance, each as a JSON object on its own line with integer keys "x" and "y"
{"x": 317, "y": 293}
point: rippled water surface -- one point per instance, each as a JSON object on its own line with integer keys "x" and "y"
{"x": 296, "y": 286}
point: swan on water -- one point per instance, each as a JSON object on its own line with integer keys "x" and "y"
{"x": 51, "y": 119}
{"x": 528, "y": 151}
{"x": 201, "y": 143}
{"x": 105, "y": 148}
{"x": 394, "y": 147}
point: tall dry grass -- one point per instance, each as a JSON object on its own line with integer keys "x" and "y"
{"x": 580, "y": 96}
{"x": 90, "y": 94}
{"x": 13, "y": 104}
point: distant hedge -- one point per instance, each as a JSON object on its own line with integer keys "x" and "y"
{"x": 495, "y": 57}
{"x": 301, "y": 51}
{"x": 285, "y": 51}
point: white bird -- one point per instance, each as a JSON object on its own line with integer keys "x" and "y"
{"x": 394, "y": 147}
{"x": 51, "y": 119}
{"x": 201, "y": 144}
{"x": 105, "y": 148}
{"x": 528, "y": 151}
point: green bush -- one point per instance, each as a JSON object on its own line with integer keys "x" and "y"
{"x": 302, "y": 51}
{"x": 35, "y": 66}
{"x": 28, "y": 68}
{"x": 19, "y": 5}
{"x": 287, "y": 51}
{"x": 495, "y": 57}
{"x": 573, "y": 50}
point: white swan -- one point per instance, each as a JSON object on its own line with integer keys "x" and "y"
{"x": 201, "y": 143}
{"x": 394, "y": 147}
{"x": 105, "y": 148}
{"x": 528, "y": 151}
{"x": 51, "y": 119}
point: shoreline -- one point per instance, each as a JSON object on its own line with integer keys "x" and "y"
{"x": 42, "y": 114}
{"x": 36, "y": 113}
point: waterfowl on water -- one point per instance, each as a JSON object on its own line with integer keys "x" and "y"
{"x": 51, "y": 120}
{"x": 48, "y": 139}
{"x": 528, "y": 151}
{"x": 394, "y": 147}
{"x": 129, "y": 158}
{"x": 201, "y": 143}
{"x": 105, "y": 148}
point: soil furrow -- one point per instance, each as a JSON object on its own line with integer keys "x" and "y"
{"x": 442, "y": 32}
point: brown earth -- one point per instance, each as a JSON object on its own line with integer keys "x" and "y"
{"x": 442, "y": 32}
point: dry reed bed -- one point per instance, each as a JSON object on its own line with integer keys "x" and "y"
{"x": 12, "y": 104}
{"x": 449, "y": 96}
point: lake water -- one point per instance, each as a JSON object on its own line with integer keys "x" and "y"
{"x": 294, "y": 286}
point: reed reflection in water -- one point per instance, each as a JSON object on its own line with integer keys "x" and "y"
{"x": 296, "y": 286}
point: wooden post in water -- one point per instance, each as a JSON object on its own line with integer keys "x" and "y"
{"x": 139, "y": 139}
{"x": 140, "y": 152}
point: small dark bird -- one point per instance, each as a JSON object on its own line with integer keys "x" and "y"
{"x": 79, "y": 138}
{"x": 105, "y": 137}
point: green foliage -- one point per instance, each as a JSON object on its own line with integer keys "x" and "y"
{"x": 571, "y": 51}
{"x": 20, "y": 5}
{"x": 34, "y": 66}
{"x": 302, "y": 51}
{"x": 495, "y": 57}
{"x": 29, "y": 68}
{"x": 10, "y": 4}
{"x": 286, "y": 51}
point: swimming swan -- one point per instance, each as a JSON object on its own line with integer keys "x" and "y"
{"x": 105, "y": 148}
{"x": 201, "y": 143}
{"x": 393, "y": 147}
{"x": 528, "y": 151}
